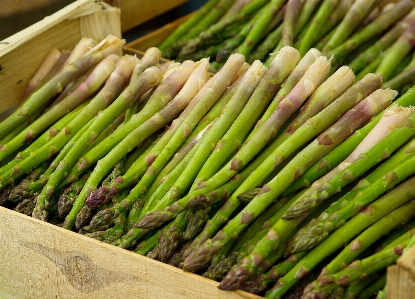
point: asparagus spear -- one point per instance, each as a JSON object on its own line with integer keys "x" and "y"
{"x": 288, "y": 85}
{"x": 218, "y": 87}
{"x": 86, "y": 89}
{"x": 205, "y": 35}
{"x": 365, "y": 218}
{"x": 168, "y": 99}
{"x": 322, "y": 144}
{"x": 249, "y": 82}
{"x": 111, "y": 89}
{"x": 109, "y": 45}
{"x": 253, "y": 145}
{"x": 233, "y": 202}
{"x": 396, "y": 53}
{"x": 364, "y": 58}
{"x": 265, "y": 48}
{"x": 379, "y": 25}
{"x": 148, "y": 79}
{"x": 356, "y": 14}
{"x": 318, "y": 229}
{"x": 183, "y": 28}
{"x": 44, "y": 138}
{"x": 367, "y": 154}
{"x": 356, "y": 270}
{"x": 375, "y": 288}
{"x": 147, "y": 128}
{"x": 290, "y": 20}
{"x": 68, "y": 196}
{"x": 170, "y": 238}
{"x": 380, "y": 228}
{"x": 253, "y": 36}
{"x": 317, "y": 24}
{"x": 212, "y": 16}
{"x": 306, "y": 12}
{"x": 196, "y": 223}
{"x": 45, "y": 67}
{"x": 149, "y": 244}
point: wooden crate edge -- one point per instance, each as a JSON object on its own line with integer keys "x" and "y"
{"x": 75, "y": 264}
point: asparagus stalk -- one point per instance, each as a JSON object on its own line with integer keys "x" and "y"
{"x": 111, "y": 89}
{"x": 280, "y": 68}
{"x": 205, "y": 35}
{"x": 365, "y": 218}
{"x": 366, "y": 57}
{"x": 391, "y": 128}
{"x": 109, "y": 45}
{"x": 68, "y": 196}
{"x": 249, "y": 82}
{"x": 357, "y": 270}
{"x": 44, "y": 138}
{"x": 396, "y": 53}
{"x": 258, "y": 140}
{"x": 255, "y": 34}
{"x": 371, "y": 83}
{"x": 321, "y": 145}
{"x": 290, "y": 20}
{"x": 218, "y": 87}
{"x": 317, "y": 230}
{"x": 167, "y": 98}
{"x": 170, "y": 238}
{"x": 212, "y": 16}
{"x": 306, "y": 12}
{"x": 46, "y": 66}
{"x": 379, "y": 25}
{"x": 288, "y": 85}
{"x": 380, "y": 228}
{"x": 375, "y": 288}
{"x": 148, "y": 79}
{"x": 183, "y": 28}
{"x": 356, "y": 14}
{"x": 317, "y": 24}
{"x": 85, "y": 90}
{"x": 153, "y": 124}
{"x": 333, "y": 158}
{"x": 265, "y": 48}
{"x": 196, "y": 223}
{"x": 158, "y": 189}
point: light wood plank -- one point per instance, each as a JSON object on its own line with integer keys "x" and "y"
{"x": 40, "y": 260}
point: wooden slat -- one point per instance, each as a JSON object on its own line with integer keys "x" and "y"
{"x": 154, "y": 38}
{"x": 40, "y": 260}
{"x": 135, "y": 12}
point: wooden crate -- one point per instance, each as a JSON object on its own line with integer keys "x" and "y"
{"x": 136, "y": 12}
{"x": 40, "y": 260}
{"x": 401, "y": 277}
{"x": 154, "y": 38}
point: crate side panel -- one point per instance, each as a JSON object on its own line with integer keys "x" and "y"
{"x": 18, "y": 66}
{"x": 135, "y": 12}
{"x": 45, "y": 261}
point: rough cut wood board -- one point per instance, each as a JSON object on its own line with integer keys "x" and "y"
{"x": 40, "y": 260}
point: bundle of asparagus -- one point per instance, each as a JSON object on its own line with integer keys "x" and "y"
{"x": 248, "y": 176}
{"x": 365, "y": 35}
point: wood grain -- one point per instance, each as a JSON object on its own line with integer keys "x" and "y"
{"x": 40, "y": 260}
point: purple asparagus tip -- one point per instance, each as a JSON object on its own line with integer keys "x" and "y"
{"x": 98, "y": 197}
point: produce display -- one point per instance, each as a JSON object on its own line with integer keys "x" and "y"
{"x": 367, "y": 36}
{"x": 290, "y": 178}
